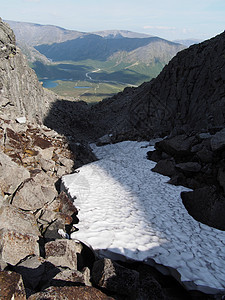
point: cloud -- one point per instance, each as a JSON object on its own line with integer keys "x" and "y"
{"x": 160, "y": 27}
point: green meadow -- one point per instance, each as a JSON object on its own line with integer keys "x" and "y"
{"x": 93, "y": 80}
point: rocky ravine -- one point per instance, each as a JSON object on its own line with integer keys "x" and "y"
{"x": 35, "y": 261}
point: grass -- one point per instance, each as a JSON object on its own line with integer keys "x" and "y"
{"x": 95, "y": 93}
{"x": 69, "y": 74}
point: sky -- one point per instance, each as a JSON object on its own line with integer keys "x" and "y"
{"x": 173, "y": 19}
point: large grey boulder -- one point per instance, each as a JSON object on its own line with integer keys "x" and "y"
{"x": 115, "y": 278}
{"x": 218, "y": 140}
{"x": 69, "y": 277}
{"x": 206, "y": 205}
{"x": 32, "y": 196}
{"x": 11, "y": 175}
{"x": 15, "y": 246}
{"x": 63, "y": 253}
{"x": 12, "y": 218}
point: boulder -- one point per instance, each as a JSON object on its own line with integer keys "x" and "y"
{"x": 104, "y": 140}
{"x": 12, "y": 218}
{"x": 115, "y": 278}
{"x": 206, "y": 205}
{"x": 11, "y": 286}
{"x": 154, "y": 155}
{"x": 16, "y": 246}
{"x": 11, "y": 175}
{"x": 179, "y": 145}
{"x": 32, "y": 270}
{"x": 70, "y": 293}
{"x": 63, "y": 204}
{"x": 205, "y": 155}
{"x": 69, "y": 277}
{"x": 165, "y": 167}
{"x": 32, "y": 196}
{"x": 218, "y": 140}
{"x": 63, "y": 253}
{"x": 189, "y": 167}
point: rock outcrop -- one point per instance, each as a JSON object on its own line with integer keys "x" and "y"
{"x": 19, "y": 87}
{"x": 196, "y": 161}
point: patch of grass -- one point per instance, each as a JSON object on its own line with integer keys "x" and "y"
{"x": 94, "y": 93}
{"x": 119, "y": 74}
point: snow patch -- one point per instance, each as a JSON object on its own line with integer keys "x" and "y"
{"x": 128, "y": 211}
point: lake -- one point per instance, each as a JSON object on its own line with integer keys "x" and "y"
{"x": 82, "y": 87}
{"x": 47, "y": 83}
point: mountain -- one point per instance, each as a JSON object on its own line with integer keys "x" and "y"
{"x": 99, "y": 48}
{"x": 61, "y": 44}
{"x": 35, "y": 34}
{"x": 117, "y": 34}
{"x": 188, "y": 42}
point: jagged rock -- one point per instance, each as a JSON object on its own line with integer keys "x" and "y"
{"x": 11, "y": 175}
{"x": 47, "y": 165}
{"x": 46, "y": 154}
{"x": 189, "y": 167}
{"x": 205, "y": 155}
{"x": 31, "y": 196}
{"x": 165, "y": 167}
{"x": 52, "y": 223}
{"x": 179, "y": 145}
{"x": 218, "y": 140}
{"x": 70, "y": 293}
{"x": 12, "y": 218}
{"x": 104, "y": 140}
{"x": 154, "y": 155}
{"x": 68, "y": 163}
{"x": 32, "y": 270}
{"x": 63, "y": 253}
{"x": 11, "y": 285}
{"x": 206, "y": 206}
{"x": 65, "y": 205}
{"x": 115, "y": 278}
{"x": 16, "y": 246}
{"x": 69, "y": 277}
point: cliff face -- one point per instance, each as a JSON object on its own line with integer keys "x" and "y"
{"x": 20, "y": 92}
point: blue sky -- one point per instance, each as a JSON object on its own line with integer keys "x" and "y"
{"x": 173, "y": 19}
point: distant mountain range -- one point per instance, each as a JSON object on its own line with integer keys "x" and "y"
{"x": 188, "y": 42}
{"x": 58, "y": 43}
{"x": 121, "y": 55}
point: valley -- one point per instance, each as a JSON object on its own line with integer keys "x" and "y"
{"x": 68, "y": 57}
{"x": 97, "y": 79}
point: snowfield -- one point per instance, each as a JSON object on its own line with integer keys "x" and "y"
{"x": 126, "y": 210}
